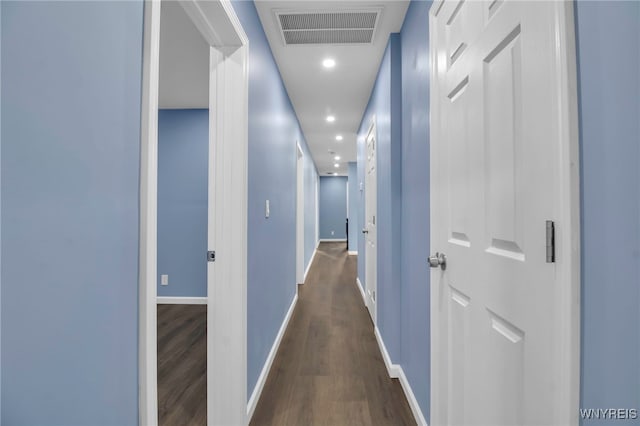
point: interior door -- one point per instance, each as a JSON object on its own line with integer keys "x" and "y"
{"x": 370, "y": 223}
{"x": 493, "y": 185}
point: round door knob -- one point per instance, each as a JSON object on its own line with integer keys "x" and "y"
{"x": 438, "y": 259}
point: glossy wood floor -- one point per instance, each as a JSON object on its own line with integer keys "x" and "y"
{"x": 329, "y": 370}
{"x": 182, "y": 365}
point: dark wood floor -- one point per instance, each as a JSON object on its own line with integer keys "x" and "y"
{"x": 182, "y": 365}
{"x": 328, "y": 369}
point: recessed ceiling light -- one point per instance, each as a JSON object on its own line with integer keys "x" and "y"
{"x": 331, "y": 118}
{"x": 336, "y": 165}
{"x": 339, "y": 137}
{"x": 335, "y": 174}
{"x": 329, "y": 63}
{"x": 337, "y": 157}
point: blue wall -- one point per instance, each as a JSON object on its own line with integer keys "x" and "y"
{"x": 71, "y": 91}
{"x": 415, "y": 334}
{"x": 273, "y": 132}
{"x": 385, "y": 105}
{"x": 333, "y": 207}
{"x": 608, "y": 36}
{"x": 354, "y": 198}
{"x": 183, "y": 174}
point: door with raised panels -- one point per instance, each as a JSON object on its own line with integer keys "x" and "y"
{"x": 370, "y": 230}
{"x": 494, "y": 182}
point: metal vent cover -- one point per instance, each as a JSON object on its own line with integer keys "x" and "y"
{"x": 328, "y": 27}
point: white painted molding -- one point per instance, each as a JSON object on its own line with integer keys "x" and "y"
{"x": 333, "y": 240}
{"x": 353, "y": 252}
{"x": 392, "y": 369}
{"x": 165, "y": 300}
{"x": 306, "y": 271}
{"x": 359, "y": 284}
{"x": 411, "y": 398}
{"x": 257, "y": 390}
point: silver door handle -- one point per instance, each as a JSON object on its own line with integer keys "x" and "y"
{"x": 438, "y": 259}
{"x": 365, "y": 231}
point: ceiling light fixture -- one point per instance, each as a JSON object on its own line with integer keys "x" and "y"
{"x": 331, "y": 118}
{"x": 329, "y": 63}
{"x": 336, "y": 165}
{"x": 337, "y": 157}
{"x": 335, "y": 174}
{"x": 339, "y": 137}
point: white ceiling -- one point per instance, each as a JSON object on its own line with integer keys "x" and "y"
{"x": 342, "y": 91}
{"x": 314, "y": 91}
{"x": 184, "y": 61}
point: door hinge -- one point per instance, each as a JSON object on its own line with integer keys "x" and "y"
{"x": 374, "y": 295}
{"x": 211, "y": 256}
{"x": 551, "y": 242}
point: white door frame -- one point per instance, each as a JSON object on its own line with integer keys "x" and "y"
{"x": 299, "y": 214}
{"x": 567, "y": 236}
{"x": 228, "y": 120}
{"x": 371, "y": 282}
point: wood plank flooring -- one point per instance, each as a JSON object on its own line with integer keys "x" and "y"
{"x": 328, "y": 369}
{"x": 182, "y": 365}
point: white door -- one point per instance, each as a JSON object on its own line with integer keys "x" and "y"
{"x": 370, "y": 233}
{"x": 299, "y": 216}
{"x": 495, "y": 182}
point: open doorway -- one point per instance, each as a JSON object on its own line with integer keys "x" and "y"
{"x": 299, "y": 214}
{"x": 183, "y": 219}
{"x": 194, "y": 91}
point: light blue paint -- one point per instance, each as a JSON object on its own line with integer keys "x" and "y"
{"x": 333, "y": 207}
{"x": 183, "y": 174}
{"x": 415, "y": 334}
{"x": 608, "y": 51}
{"x": 71, "y": 92}
{"x": 354, "y": 198}
{"x": 273, "y": 132}
{"x": 385, "y": 106}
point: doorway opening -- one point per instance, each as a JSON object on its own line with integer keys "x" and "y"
{"x": 222, "y": 52}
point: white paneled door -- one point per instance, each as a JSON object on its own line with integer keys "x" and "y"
{"x": 370, "y": 229}
{"x": 496, "y": 180}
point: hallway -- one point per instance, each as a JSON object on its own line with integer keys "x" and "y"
{"x": 328, "y": 369}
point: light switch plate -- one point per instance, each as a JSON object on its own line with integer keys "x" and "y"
{"x": 164, "y": 279}
{"x": 266, "y": 209}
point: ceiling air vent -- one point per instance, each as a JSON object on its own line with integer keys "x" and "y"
{"x": 340, "y": 27}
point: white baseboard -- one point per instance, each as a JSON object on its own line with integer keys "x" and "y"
{"x": 333, "y": 240}
{"x": 164, "y": 300}
{"x": 359, "y": 284}
{"x": 352, "y": 252}
{"x": 392, "y": 369}
{"x": 257, "y": 390}
{"x": 313, "y": 256}
{"x": 395, "y": 371}
{"x": 411, "y": 398}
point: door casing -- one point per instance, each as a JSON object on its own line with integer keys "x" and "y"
{"x": 227, "y": 233}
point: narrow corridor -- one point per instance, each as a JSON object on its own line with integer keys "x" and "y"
{"x": 328, "y": 369}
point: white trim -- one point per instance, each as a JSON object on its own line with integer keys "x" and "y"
{"x": 165, "y": 300}
{"x": 359, "y": 284}
{"x": 147, "y": 327}
{"x": 333, "y": 240}
{"x": 392, "y": 369}
{"x": 257, "y": 390}
{"x": 395, "y": 371}
{"x": 411, "y": 398}
{"x": 300, "y": 236}
{"x": 313, "y": 256}
{"x": 352, "y": 252}
{"x": 228, "y": 132}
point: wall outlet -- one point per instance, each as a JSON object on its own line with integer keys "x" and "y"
{"x": 164, "y": 279}
{"x": 332, "y": 233}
